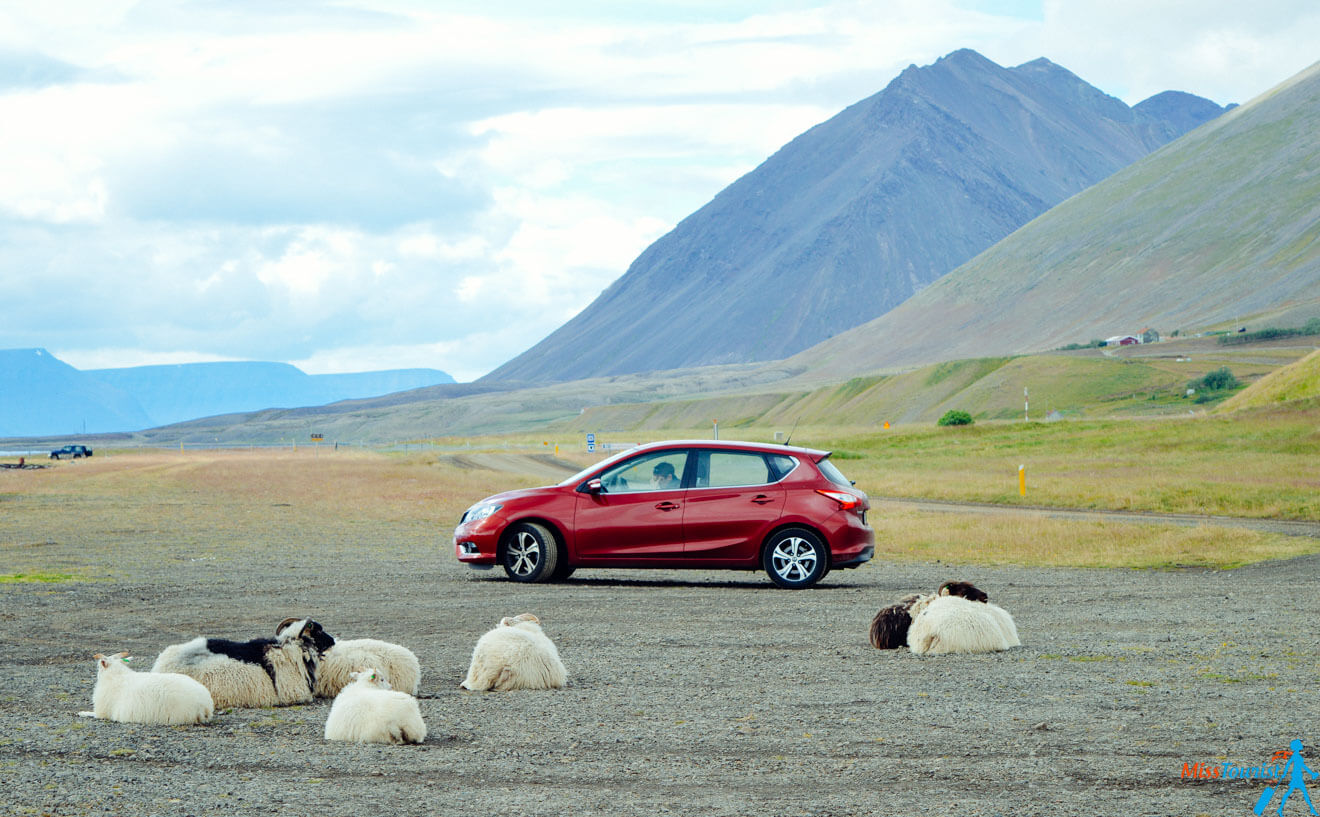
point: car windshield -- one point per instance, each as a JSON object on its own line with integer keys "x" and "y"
{"x": 585, "y": 472}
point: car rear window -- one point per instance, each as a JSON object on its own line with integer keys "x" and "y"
{"x": 833, "y": 474}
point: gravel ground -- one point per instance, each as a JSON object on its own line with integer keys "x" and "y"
{"x": 707, "y": 693}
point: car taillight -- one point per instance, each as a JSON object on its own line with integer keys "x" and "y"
{"x": 846, "y": 500}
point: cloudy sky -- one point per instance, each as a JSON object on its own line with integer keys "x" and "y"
{"x": 373, "y": 184}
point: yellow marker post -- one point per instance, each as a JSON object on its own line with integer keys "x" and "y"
{"x": 1022, "y": 480}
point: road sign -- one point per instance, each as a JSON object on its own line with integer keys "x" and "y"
{"x": 591, "y": 442}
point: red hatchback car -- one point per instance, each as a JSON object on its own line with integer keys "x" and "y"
{"x": 679, "y": 504}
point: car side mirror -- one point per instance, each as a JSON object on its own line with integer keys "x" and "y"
{"x": 594, "y": 486}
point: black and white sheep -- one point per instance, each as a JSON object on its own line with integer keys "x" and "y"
{"x": 126, "y": 696}
{"x": 368, "y": 711}
{"x": 261, "y": 672}
{"x": 515, "y": 655}
{"x": 396, "y": 663}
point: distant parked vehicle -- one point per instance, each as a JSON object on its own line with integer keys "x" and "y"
{"x": 72, "y": 452}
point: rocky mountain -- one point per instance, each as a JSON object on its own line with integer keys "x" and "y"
{"x": 851, "y": 218}
{"x": 1220, "y": 229}
{"x": 42, "y": 396}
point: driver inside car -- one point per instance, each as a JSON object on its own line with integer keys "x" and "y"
{"x": 663, "y": 477}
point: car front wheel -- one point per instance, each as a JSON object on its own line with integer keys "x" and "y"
{"x": 795, "y": 558}
{"x": 531, "y": 553}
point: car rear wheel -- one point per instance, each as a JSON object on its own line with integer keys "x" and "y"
{"x": 530, "y": 553}
{"x": 795, "y": 558}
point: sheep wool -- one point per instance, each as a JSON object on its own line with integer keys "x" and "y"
{"x": 258, "y": 673}
{"x": 126, "y": 696}
{"x": 515, "y": 655}
{"x": 368, "y": 711}
{"x": 396, "y": 664}
{"x": 952, "y": 624}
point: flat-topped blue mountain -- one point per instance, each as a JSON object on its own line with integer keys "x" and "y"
{"x": 854, "y": 216}
{"x": 40, "y": 395}
{"x": 43, "y": 396}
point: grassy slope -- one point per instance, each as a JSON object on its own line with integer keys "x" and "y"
{"x": 1145, "y": 381}
{"x": 1298, "y": 381}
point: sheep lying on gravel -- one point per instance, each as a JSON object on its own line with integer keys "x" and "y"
{"x": 952, "y": 624}
{"x": 889, "y": 628}
{"x": 126, "y": 696}
{"x": 368, "y": 711}
{"x": 396, "y": 664}
{"x": 262, "y": 672}
{"x": 515, "y": 655}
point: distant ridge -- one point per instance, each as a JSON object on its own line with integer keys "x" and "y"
{"x": 1221, "y": 228}
{"x": 42, "y": 396}
{"x": 852, "y": 217}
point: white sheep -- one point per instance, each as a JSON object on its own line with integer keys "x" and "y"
{"x": 1006, "y": 624}
{"x": 515, "y": 655}
{"x": 261, "y": 672}
{"x": 368, "y": 711}
{"x": 396, "y": 663}
{"x": 952, "y": 624}
{"x": 145, "y": 697}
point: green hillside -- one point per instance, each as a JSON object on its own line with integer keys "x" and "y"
{"x": 1141, "y": 381}
{"x": 1215, "y": 229}
{"x": 1298, "y": 381}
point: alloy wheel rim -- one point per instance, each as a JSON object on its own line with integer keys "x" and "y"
{"x": 794, "y": 559}
{"x": 525, "y": 553}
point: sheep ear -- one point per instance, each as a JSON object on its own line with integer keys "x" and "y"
{"x": 279, "y": 628}
{"x": 98, "y": 656}
{"x": 310, "y": 628}
{"x": 507, "y": 622}
{"x": 528, "y": 617}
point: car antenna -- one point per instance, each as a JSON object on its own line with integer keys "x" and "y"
{"x": 791, "y": 430}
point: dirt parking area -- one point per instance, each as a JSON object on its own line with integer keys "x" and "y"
{"x": 690, "y": 693}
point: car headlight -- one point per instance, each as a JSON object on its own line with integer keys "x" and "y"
{"x": 479, "y": 512}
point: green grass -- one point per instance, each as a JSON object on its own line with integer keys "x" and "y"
{"x": 44, "y": 578}
{"x": 1263, "y": 464}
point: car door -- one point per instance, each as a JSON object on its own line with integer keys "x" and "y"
{"x": 633, "y": 517}
{"x": 734, "y": 501}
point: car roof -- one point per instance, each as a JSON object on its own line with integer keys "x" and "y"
{"x": 738, "y": 445}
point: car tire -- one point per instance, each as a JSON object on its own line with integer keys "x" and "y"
{"x": 795, "y": 558}
{"x": 530, "y": 553}
{"x": 54, "y": 456}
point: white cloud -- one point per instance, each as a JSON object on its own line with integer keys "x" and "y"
{"x": 384, "y": 183}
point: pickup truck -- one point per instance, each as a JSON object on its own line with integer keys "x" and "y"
{"x": 71, "y": 452}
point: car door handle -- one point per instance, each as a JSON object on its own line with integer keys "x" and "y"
{"x": 762, "y": 499}
{"x": 667, "y": 506}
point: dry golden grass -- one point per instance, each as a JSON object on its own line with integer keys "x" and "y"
{"x": 88, "y": 518}
{"x": 904, "y": 534}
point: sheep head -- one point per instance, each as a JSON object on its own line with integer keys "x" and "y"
{"x": 105, "y": 662}
{"x": 304, "y": 629}
{"x": 967, "y": 590}
{"x": 370, "y": 676}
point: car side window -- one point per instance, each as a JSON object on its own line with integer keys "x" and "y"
{"x": 728, "y": 469}
{"x": 662, "y": 471}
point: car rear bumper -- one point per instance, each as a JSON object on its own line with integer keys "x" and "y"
{"x": 854, "y": 561}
